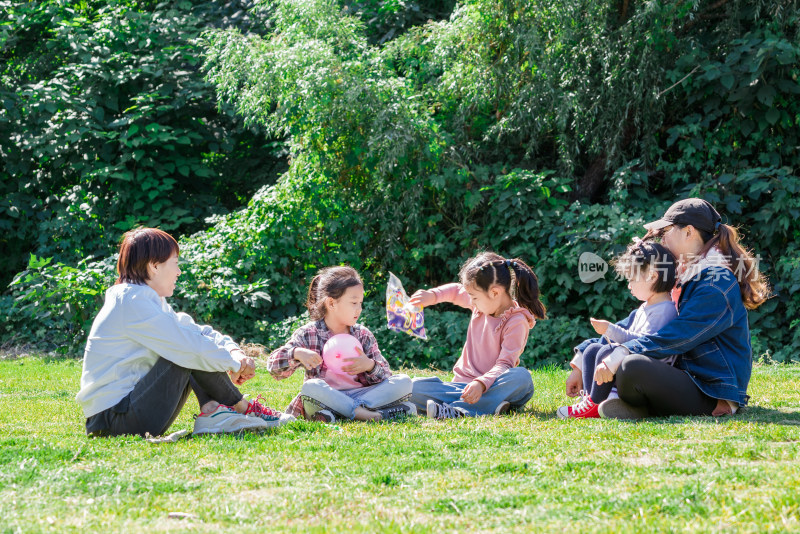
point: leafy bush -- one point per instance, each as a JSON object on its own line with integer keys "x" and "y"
{"x": 535, "y": 131}
{"x": 387, "y": 19}
{"x": 107, "y": 123}
{"x": 55, "y": 304}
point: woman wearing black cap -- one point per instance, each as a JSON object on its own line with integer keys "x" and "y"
{"x": 718, "y": 281}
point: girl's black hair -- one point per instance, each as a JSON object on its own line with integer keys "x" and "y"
{"x": 488, "y": 269}
{"x": 329, "y": 282}
{"x": 643, "y": 256}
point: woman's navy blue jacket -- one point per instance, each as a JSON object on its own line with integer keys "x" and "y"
{"x": 711, "y": 334}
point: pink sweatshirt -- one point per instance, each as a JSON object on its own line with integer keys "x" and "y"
{"x": 493, "y": 344}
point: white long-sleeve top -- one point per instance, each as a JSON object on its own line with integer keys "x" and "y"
{"x": 132, "y": 330}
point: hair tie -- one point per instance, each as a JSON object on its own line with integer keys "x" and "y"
{"x": 508, "y": 264}
{"x": 716, "y": 226}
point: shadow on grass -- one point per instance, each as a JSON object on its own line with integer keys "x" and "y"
{"x": 759, "y": 414}
{"x": 750, "y": 414}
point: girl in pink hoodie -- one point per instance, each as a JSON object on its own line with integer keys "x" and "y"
{"x": 503, "y": 295}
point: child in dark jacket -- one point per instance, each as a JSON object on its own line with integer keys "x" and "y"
{"x": 650, "y": 269}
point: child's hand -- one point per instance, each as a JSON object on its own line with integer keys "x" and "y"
{"x": 422, "y": 298}
{"x": 599, "y": 325}
{"x": 603, "y": 374}
{"x": 473, "y": 392}
{"x": 574, "y": 383}
{"x": 359, "y": 364}
{"x": 308, "y": 358}
{"x": 247, "y": 369}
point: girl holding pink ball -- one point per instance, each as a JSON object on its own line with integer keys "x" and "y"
{"x": 345, "y": 373}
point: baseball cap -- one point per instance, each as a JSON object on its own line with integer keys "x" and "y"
{"x": 691, "y": 211}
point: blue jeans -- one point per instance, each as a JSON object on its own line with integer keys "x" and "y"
{"x": 514, "y": 386}
{"x": 344, "y": 402}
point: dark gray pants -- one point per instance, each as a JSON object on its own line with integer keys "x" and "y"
{"x": 157, "y": 399}
{"x": 664, "y": 390}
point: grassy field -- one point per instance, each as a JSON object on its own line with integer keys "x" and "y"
{"x": 523, "y": 472}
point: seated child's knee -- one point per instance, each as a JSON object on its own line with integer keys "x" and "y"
{"x": 404, "y": 382}
{"x": 417, "y": 379}
{"x": 520, "y": 373}
{"x": 312, "y": 384}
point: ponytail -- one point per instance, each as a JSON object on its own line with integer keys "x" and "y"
{"x": 311, "y": 298}
{"x": 488, "y": 269}
{"x": 526, "y": 288}
{"x": 752, "y": 282}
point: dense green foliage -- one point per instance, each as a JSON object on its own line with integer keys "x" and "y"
{"x": 539, "y": 130}
{"x": 106, "y": 122}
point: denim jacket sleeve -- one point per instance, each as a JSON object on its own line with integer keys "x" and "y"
{"x": 702, "y": 317}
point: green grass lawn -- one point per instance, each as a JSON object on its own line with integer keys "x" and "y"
{"x": 523, "y": 472}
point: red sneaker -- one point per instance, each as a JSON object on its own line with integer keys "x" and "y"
{"x": 585, "y": 409}
{"x": 271, "y": 416}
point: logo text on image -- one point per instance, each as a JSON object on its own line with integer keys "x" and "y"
{"x": 591, "y": 267}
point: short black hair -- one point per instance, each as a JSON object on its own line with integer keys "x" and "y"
{"x": 139, "y": 248}
{"x": 645, "y": 255}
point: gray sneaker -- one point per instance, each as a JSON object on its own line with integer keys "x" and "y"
{"x": 394, "y": 411}
{"x": 443, "y": 411}
{"x": 324, "y": 416}
{"x": 619, "y": 409}
{"x": 503, "y": 408}
{"x": 225, "y": 419}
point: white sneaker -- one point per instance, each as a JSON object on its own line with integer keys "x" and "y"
{"x": 226, "y": 419}
{"x": 271, "y": 416}
{"x": 619, "y": 409}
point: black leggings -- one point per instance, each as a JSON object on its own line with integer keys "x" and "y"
{"x": 662, "y": 389}
{"x": 157, "y": 399}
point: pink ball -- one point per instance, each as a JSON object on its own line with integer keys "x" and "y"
{"x": 338, "y": 349}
